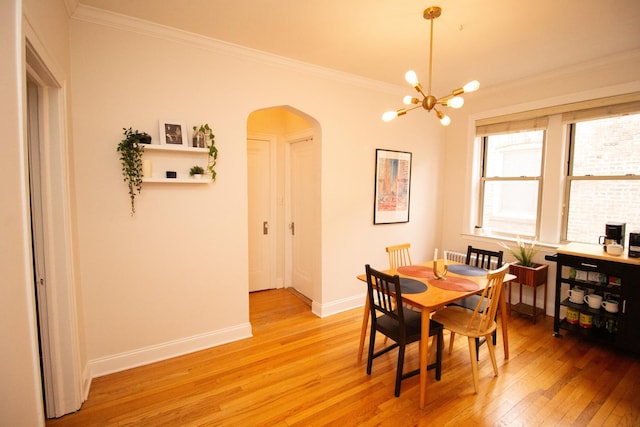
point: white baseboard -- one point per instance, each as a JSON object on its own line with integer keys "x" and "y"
{"x": 338, "y": 306}
{"x": 144, "y": 356}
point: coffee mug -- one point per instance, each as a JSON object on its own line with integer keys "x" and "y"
{"x": 576, "y": 295}
{"x": 594, "y": 300}
{"x": 610, "y": 306}
{"x": 615, "y": 249}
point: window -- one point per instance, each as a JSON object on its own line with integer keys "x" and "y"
{"x": 510, "y": 183}
{"x": 558, "y": 173}
{"x": 603, "y": 177}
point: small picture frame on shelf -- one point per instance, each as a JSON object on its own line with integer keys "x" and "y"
{"x": 173, "y": 133}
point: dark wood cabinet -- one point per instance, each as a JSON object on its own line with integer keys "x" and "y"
{"x": 629, "y": 327}
{"x": 590, "y": 269}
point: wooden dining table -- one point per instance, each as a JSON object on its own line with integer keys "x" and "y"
{"x": 438, "y": 294}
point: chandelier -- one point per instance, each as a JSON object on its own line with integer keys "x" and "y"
{"x": 429, "y": 102}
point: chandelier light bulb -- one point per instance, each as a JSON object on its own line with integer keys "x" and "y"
{"x": 471, "y": 86}
{"x": 444, "y": 119}
{"x": 409, "y": 100}
{"x": 455, "y": 102}
{"x": 411, "y": 78}
{"x": 389, "y": 115}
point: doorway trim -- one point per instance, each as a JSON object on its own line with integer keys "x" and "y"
{"x": 285, "y": 137}
{"x": 69, "y": 380}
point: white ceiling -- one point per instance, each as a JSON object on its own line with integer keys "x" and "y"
{"x": 493, "y": 41}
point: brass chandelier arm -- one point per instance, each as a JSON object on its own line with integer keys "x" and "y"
{"x": 446, "y": 97}
{"x": 418, "y": 87}
{"x": 444, "y": 100}
{"x": 403, "y": 111}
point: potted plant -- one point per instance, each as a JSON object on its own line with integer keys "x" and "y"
{"x": 528, "y": 272}
{"x": 196, "y": 171}
{"x": 209, "y": 140}
{"x": 131, "y": 158}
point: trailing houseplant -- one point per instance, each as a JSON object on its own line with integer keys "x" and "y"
{"x": 209, "y": 139}
{"x": 131, "y": 151}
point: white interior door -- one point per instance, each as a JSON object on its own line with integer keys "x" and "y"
{"x": 261, "y": 235}
{"x": 37, "y": 239}
{"x": 304, "y": 207}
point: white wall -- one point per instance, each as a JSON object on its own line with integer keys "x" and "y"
{"x": 173, "y": 277}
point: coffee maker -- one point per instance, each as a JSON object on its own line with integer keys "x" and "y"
{"x": 634, "y": 244}
{"x": 614, "y": 233}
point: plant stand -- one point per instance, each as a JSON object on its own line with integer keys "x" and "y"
{"x": 532, "y": 277}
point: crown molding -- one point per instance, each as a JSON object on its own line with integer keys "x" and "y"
{"x": 71, "y": 6}
{"x": 126, "y": 23}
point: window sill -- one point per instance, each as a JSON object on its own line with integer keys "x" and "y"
{"x": 544, "y": 246}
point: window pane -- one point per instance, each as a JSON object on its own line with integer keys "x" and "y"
{"x": 510, "y": 207}
{"x": 594, "y": 203}
{"x": 607, "y": 146}
{"x": 514, "y": 154}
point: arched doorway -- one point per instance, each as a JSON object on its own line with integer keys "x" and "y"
{"x": 283, "y": 155}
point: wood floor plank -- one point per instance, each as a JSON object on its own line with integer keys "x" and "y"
{"x": 300, "y": 370}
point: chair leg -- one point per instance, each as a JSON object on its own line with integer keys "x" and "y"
{"x": 474, "y": 363}
{"x": 363, "y": 330}
{"x": 451, "y": 338}
{"x": 477, "y": 348}
{"x": 399, "y": 370}
{"x": 433, "y": 347}
{"x": 492, "y": 353}
{"x": 439, "y": 346}
{"x": 372, "y": 342}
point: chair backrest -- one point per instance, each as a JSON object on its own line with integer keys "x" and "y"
{"x": 384, "y": 295}
{"x": 483, "y": 258}
{"x": 399, "y": 255}
{"x": 484, "y": 314}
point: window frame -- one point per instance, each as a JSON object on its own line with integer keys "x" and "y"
{"x": 569, "y": 177}
{"x": 484, "y": 140}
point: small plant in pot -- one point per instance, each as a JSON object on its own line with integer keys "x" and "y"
{"x": 528, "y": 272}
{"x": 524, "y": 252}
{"x": 196, "y": 171}
{"x": 131, "y": 158}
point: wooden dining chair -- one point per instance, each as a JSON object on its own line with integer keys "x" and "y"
{"x": 399, "y": 255}
{"x": 479, "y": 323}
{"x": 393, "y": 320}
{"x": 481, "y": 258}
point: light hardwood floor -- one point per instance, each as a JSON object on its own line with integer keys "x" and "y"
{"x": 300, "y": 370}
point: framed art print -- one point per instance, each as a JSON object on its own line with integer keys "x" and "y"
{"x": 392, "y": 187}
{"x": 173, "y": 133}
